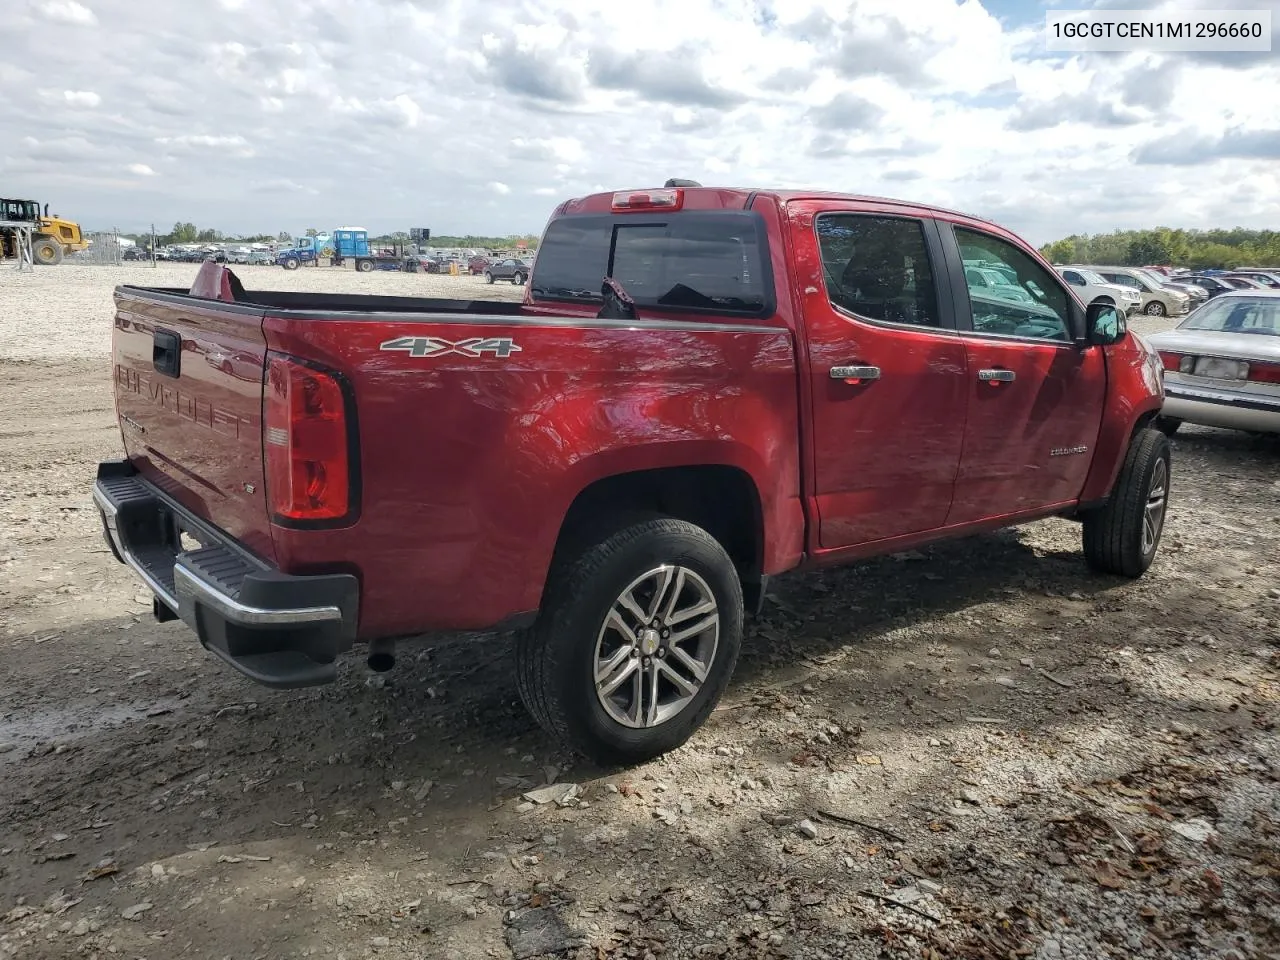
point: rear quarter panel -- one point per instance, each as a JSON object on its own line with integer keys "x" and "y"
{"x": 469, "y": 464}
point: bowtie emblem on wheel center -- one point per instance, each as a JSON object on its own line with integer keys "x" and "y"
{"x": 649, "y": 641}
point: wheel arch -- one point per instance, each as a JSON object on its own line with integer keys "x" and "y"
{"x": 722, "y": 498}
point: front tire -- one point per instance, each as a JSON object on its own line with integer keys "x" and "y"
{"x": 1155, "y": 309}
{"x": 290, "y": 264}
{"x": 635, "y": 643}
{"x": 1123, "y": 536}
{"x": 488, "y": 277}
{"x": 518, "y": 280}
{"x": 46, "y": 252}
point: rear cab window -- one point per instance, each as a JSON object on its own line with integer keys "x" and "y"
{"x": 712, "y": 262}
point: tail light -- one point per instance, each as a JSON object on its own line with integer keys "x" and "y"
{"x": 308, "y": 450}
{"x": 1172, "y": 361}
{"x": 1264, "y": 372}
{"x": 629, "y": 200}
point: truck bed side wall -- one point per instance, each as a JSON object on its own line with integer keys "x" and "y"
{"x": 470, "y": 463}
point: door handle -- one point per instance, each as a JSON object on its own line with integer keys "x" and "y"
{"x": 994, "y": 377}
{"x": 855, "y": 374}
{"x": 166, "y": 353}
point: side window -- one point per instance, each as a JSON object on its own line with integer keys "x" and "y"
{"x": 878, "y": 268}
{"x": 1032, "y": 304}
{"x": 1073, "y": 278}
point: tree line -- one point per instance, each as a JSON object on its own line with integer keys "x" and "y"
{"x": 1197, "y": 249}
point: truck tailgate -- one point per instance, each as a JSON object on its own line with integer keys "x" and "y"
{"x": 188, "y": 383}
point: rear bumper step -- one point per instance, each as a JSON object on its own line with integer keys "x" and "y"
{"x": 277, "y": 629}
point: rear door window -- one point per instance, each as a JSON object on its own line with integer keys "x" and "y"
{"x": 713, "y": 262}
{"x": 878, "y": 268}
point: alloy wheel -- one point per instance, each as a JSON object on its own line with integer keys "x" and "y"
{"x": 1153, "y": 513}
{"x": 655, "y": 650}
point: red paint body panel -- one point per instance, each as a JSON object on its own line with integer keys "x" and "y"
{"x": 1013, "y": 428}
{"x": 469, "y": 464}
{"x": 469, "y": 467}
{"x": 1135, "y": 392}
{"x": 886, "y": 450}
{"x": 197, "y": 437}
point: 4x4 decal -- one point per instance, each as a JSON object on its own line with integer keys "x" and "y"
{"x": 500, "y": 347}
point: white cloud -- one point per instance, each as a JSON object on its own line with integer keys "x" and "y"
{"x": 81, "y": 98}
{"x": 469, "y": 117}
{"x": 141, "y": 170}
{"x": 67, "y": 11}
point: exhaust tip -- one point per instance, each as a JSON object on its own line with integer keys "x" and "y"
{"x": 382, "y": 655}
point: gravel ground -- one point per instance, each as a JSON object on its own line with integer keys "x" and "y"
{"x": 976, "y": 751}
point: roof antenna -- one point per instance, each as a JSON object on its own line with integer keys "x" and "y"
{"x": 677, "y": 182}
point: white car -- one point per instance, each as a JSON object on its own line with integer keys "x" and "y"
{"x": 995, "y": 283}
{"x": 1222, "y": 364}
{"x": 1091, "y": 288}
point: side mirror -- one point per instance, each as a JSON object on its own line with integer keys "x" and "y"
{"x": 1105, "y": 324}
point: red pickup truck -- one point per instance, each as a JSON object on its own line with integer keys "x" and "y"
{"x": 703, "y": 388}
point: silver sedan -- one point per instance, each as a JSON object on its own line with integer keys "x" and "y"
{"x": 1222, "y": 364}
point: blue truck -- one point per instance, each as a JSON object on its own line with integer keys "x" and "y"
{"x": 342, "y": 243}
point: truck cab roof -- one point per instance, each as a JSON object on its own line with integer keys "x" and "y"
{"x": 739, "y": 198}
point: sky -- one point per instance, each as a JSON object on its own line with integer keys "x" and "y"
{"x": 478, "y": 118}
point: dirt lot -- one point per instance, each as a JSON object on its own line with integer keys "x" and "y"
{"x": 984, "y": 752}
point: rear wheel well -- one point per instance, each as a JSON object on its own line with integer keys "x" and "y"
{"x": 723, "y": 500}
{"x": 1148, "y": 419}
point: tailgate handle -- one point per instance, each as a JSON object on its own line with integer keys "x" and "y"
{"x": 166, "y": 353}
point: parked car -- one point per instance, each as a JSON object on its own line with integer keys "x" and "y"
{"x": 476, "y": 265}
{"x": 133, "y": 253}
{"x": 1092, "y": 288}
{"x": 1241, "y": 283}
{"x": 1157, "y": 299}
{"x": 262, "y": 258}
{"x": 517, "y": 271}
{"x": 1196, "y": 293}
{"x": 774, "y": 380}
{"x": 1213, "y": 286}
{"x": 238, "y": 256}
{"x": 1270, "y": 281}
{"x": 1222, "y": 364}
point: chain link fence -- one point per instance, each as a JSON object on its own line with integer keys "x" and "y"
{"x": 104, "y": 250}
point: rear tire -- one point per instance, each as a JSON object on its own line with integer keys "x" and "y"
{"x": 488, "y": 277}
{"x": 681, "y": 579}
{"x": 1168, "y": 425}
{"x": 1122, "y": 537}
{"x": 47, "y": 252}
{"x": 364, "y": 266}
{"x": 518, "y": 280}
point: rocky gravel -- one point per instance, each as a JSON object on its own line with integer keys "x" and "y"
{"x": 978, "y": 750}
